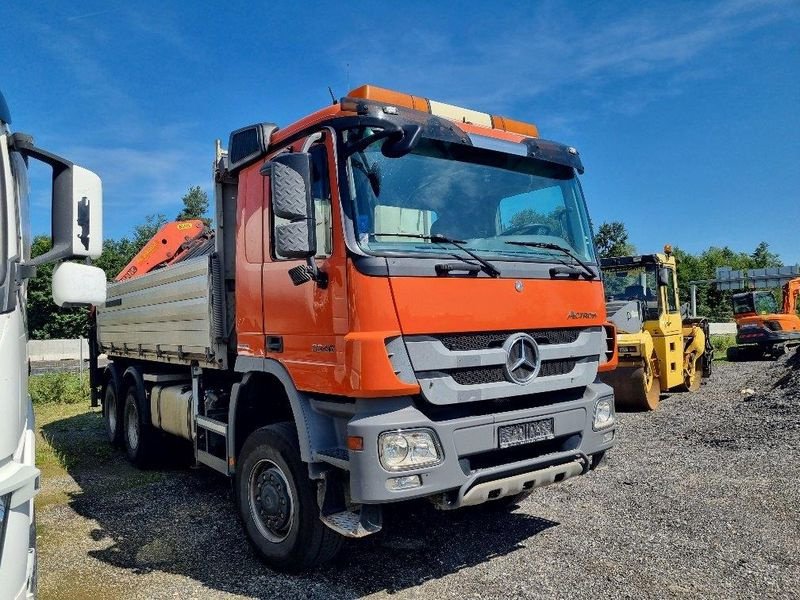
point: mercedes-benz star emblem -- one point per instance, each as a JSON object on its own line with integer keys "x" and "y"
{"x": 523, "y": 361}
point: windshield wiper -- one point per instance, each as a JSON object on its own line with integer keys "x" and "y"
{"x": 587, "y": 272}
{"x": 486, "y": 266}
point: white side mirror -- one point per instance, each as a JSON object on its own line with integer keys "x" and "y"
{"x": 76, "y": 284}
{"x": 77, "y": 206}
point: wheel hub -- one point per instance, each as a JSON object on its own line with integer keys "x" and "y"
{"x": 271, "y": 502}
{"x": 273, "y": 498}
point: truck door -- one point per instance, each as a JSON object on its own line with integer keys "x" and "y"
{"x": 305, "y": 324}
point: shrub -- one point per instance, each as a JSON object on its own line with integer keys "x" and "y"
{"x": 58, "y": 388}
{"x": 721, "y": 344}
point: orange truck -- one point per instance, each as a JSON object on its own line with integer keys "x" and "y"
{"x": 402, "y": 301}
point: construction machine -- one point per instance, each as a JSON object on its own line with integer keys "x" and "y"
{"x": 762, "y": 328}
{"x": 660, "y": 349}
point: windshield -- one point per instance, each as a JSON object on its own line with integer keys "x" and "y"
{"x": 482, "y": 197}
{"x": 633, "y": 283}
{"x": 762, "y": 303}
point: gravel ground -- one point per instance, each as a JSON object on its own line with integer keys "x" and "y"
{"x": 698, "y": 500}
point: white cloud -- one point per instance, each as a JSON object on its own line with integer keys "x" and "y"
{"x": 547, "y": 50}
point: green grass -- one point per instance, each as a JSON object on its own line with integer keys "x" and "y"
{"x": 59, "y": 388}
{"x": 721, "y": 344}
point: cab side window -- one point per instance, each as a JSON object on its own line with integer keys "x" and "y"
{"x": 321, "y": 193}
{"x": 672, "y": 302}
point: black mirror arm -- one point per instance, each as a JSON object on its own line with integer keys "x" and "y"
{"x": 309, "y": 272}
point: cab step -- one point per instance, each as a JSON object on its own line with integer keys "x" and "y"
{"x": 355, "y": 524}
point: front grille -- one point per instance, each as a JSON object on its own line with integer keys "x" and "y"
{"x": 465, "y": 342}
{"x": 483, "y": 375}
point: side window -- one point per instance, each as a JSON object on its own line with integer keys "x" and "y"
{"x": 672, "y": 303}
{"x": 321, "y": 194}
{"x": 20, "y": 170}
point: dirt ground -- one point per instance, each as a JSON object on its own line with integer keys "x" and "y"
{"x": 698, "y": 500}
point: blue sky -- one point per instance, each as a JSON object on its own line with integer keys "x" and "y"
{"x": 687, "y": 115}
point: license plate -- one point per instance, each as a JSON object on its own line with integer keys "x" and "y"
{"x": 525, "y": 433}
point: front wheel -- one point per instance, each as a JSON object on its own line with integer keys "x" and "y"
{"x": 277, "y": 502}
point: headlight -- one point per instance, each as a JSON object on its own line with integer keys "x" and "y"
{"x": 410, "y": 449}
{"x": 603, "y": 413}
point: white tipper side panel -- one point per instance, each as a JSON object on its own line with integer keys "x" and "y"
{"x": 164, "y": 314}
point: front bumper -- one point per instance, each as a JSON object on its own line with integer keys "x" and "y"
{"x": 474, "y": 469}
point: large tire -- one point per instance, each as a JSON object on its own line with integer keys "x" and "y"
{"x": 693, "y": 380}
{"x": 141, "y": 438}
{"x": 733, "y": 354}
{"x": 637, "y": 389}
{"x": 277, "y": 502}
{"x": 113, "y": 411}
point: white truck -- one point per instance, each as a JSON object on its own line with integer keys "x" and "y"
{"x": 76, "y": 232}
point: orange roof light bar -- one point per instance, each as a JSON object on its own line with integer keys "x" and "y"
{"x": 447, "y": 111}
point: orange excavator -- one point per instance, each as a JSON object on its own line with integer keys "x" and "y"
{"x": 174, "y": 242}
{"x": 762, "y": 328}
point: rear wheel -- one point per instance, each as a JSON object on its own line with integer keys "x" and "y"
{"x": 139, "y": 435}
{"x": 277, "y": 502}
{"x": 732, "y": 354}
{"x": 112, "y": 412}
{"x": 692, "y": 375}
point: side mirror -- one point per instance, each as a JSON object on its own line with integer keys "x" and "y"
{"x": 77, "y": 206}
{"x": 397, "y": 146}
{"x": 664, "y": 276}
{"x": 290, "y": 192}
{"x": 75, "y": 284}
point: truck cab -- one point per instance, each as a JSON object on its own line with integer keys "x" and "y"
{"x": 77, "y": 222}
{"x": 403, "y": 302}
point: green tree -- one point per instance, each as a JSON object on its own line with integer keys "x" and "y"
{"x": 612, "y": 240}
{"x": 712, "y": 302}
{"x": 45, "y": 319}
{"x": 195, "y": 205}
{"x": 762, "y": 258}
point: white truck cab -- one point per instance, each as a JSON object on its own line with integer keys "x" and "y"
{"x": 76, "y": 232}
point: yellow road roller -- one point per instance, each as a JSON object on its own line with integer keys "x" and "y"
{"x": 660, "y": 347}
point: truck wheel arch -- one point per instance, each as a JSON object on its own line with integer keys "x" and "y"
{"x": 314, "y": 431}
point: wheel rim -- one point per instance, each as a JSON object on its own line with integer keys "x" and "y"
{"x": 132, "y": 428}
{"x": 271, "y": 501}
{"x": 111, "y": 411}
